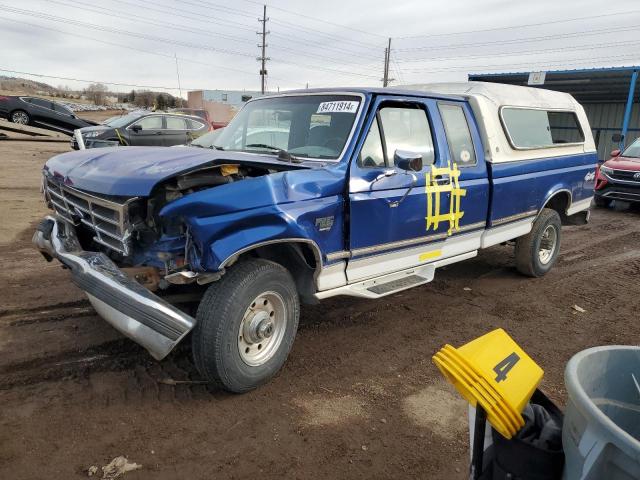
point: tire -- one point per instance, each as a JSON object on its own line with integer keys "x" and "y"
{"x": 601, "y": 201}
{"x": 233, "y": 346}
{"x": 532, "y": 258}
{"x": 20, "y": 117}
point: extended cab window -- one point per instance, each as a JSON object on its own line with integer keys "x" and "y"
{"x": 535, "y": 128}
{"x": 458, "y": 135}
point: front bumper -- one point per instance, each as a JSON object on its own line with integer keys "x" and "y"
{"x": 129, "y": 307}
{"x": 616, "y": 191}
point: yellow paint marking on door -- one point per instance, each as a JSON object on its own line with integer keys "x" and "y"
{"x": 433, "y": 191}
{"x": 429, "y": 255}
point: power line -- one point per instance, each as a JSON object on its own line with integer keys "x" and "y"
{"x": 509, "y": 66}
{"x": 139, "y": 18}
{"x": 69, "y": 21}
{"x": 41, "y": 75}
{"x": 149, "y": 52}
{"x": 522, "y": 40}
{"x": 291, "y": 12}
{"x": 520, "y": 52}
{"x": 513, "y": 27}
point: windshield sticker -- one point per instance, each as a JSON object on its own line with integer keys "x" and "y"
{"x": 338, "y": 107}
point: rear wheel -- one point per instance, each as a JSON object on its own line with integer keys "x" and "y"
{"x": 246, "y": 324}
{"x": 601, "y": 201}
{"x": 537, "y": 252}
{"x": 20, "y": 117}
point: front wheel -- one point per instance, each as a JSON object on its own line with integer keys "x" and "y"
{"x": 537, "y": 252}
{"x": 246, "y": 324}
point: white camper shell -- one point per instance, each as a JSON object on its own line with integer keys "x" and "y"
{"x": 514, "y": 121}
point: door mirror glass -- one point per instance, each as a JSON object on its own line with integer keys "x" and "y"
{"x": 408, "y": 161}
{"x": 616, "y": 138}
{"x": 615, "y": 153}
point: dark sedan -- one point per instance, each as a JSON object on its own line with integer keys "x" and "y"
{"x": 40, "y": 112}
{"x": 142, "y": 129}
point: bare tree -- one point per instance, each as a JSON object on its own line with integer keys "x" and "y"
{"x": 96, "y": 92}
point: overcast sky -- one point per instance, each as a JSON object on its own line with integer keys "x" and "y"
{"x": 328, "y": 43}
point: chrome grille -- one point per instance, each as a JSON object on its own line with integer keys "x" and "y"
{"x": 106, "y": 218}
{"x": 625, "y": 175}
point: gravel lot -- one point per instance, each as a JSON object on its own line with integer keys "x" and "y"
{"x": 358, "y": 398}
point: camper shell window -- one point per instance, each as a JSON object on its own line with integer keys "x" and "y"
{"x": 530, "y": 128}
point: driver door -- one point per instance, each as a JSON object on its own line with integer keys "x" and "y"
{"x": 151, "y": 131}
{"x": 388, "y": 204}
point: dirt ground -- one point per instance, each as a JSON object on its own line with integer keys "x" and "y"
{"x": 358, "y": 398}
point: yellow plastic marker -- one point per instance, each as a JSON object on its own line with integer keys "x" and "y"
{"x": 494, "y": 411}
{"x": 494, "y": 372}
{"x": 472, "y": 396}
{"x": 496, "y": 403}
{"x": 514, "y": 417}
{"x": 505, "y": 366}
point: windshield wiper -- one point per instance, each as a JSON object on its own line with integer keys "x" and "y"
{"x": 263, "y": 145}
{"x": 283, "y": 155}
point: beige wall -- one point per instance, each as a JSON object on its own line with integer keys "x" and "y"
{"x": 219, "y": 112}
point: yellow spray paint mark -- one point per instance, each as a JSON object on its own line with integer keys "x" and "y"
{"x": 434, "y": 189}
{"x": 429, "y": 255}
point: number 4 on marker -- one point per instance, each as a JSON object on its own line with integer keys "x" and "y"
{"x": 505, "y": 365}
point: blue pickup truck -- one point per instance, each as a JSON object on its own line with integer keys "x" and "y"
{"x": 308, "y": 195}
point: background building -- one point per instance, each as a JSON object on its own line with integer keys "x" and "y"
{"x": 608, "y": 95}
{"x": 222, "y": 105}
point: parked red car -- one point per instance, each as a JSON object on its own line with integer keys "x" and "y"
{"x": 619, "y": 177}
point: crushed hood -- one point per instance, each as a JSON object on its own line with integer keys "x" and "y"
{"x": 134, "y": 171}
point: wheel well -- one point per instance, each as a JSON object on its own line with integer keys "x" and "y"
{"x": 301, "y": 259}
{"x": 559, "y": 202}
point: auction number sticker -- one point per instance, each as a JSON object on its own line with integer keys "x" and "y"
{"x": 338, "y": 107}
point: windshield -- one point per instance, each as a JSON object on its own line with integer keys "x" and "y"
{"x": 207, "y": 140}
{"x": 309, "y": 126}
{"x": 632, "y": 150}
{"x": 122, "y": 121}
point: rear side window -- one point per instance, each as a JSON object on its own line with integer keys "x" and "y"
{"x": 458, "y": 135}
{"x": 175, "y": 123}
{"x": 41, "y": 103}
{"x": 193, "y": 125}
{"x": 535, "y": 128}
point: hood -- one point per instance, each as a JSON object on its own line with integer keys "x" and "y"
{"x": 134, "y": 171}
{"x": 95, "y": 128}
{"x": 623, "y": 163}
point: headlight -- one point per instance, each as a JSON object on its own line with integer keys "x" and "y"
{"x": 91, "y": 134}
{"x": 606, "y": 170}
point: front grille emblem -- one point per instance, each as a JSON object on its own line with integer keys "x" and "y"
{"x": 636, "y": 177}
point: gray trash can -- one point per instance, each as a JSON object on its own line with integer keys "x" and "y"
{"x": 601, "y": 432}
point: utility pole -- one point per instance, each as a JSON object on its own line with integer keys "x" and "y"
{"x": 178, "y": 75}
{"x": 263, "y": 58}
{"x": 387, "y": 61}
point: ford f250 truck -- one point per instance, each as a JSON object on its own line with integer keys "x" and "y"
{"x": 308, "y": 195}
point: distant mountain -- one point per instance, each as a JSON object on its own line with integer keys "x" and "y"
{"x": 24, "y": 85}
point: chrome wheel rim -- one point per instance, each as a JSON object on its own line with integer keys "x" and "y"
{"x": 20, "y": 118}
{"x": 262, "y": 329}
{"x": 548, "y": 244}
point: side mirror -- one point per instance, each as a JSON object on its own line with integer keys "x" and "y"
{"x": 136, "y": 128}
{"x": 617, "y": 138}
{"x": 615, "y": 153}
{"x": 408, "y": 161}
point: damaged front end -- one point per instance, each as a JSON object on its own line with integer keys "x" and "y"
{"x": 126, "y": 257}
